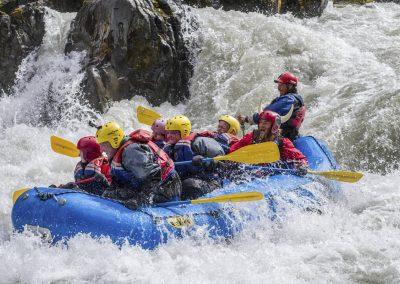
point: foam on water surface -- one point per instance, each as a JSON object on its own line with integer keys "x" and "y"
{"x": 348, "y": 64}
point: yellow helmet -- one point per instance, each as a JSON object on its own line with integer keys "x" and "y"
{"x": 234, "y": 124}
{"x": 110, "y": 132}
{"x": 179, "y": 123}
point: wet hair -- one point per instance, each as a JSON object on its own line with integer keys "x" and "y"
{"x": 291, "y": 88}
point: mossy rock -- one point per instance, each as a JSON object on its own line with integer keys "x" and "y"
{"x": 21, "y": 30}
{"x": 17, "y": 12}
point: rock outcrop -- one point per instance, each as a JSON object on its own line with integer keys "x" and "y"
{"x": 361, "y": 2}
{"x": 300, "y": 8}
{"x": 133, "y": 48}
{"x": 21, "y": 30}
{"x": 64, "y": 5}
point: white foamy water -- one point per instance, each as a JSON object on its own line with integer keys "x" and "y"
{"x": 348, "y": 63}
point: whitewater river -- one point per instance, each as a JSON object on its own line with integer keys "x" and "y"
{"x": 348, "y": 62}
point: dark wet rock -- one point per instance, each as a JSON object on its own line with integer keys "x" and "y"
{"x": 65, "y": 5}
{"x": 133, "y": 48}
{"x": 245, "y": 5}
{"x": 359, "y": 2}
{"x": 301, "y": 8}
{"x": 304, "y": 8}
{"x": 8, "y": 6}
{"x": 21, "y": 30}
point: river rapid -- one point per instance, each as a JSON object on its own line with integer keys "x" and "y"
{"x": 349, "y": 68}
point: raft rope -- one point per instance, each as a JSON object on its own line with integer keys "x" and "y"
{"x": 44, "y": 196}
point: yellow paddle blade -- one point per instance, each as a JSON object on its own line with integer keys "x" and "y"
{"x": 64, "y": 147}
{"x": 234, "y": 197}
{"x": 18, "y": 193}
{"x": 344, "y": 176}
{"x": 146, "y": 116}
{"x": 267, "y": 152}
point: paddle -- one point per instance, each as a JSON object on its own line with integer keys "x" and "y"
{"x": 234, "y": 197}
{"x": 243, "y": 128}
{"x": 344, "y": 176}
{"x": 261, "y": 153}
{"x": 18, "y": 193}
{"x": 64, "y": 147}
{"x": 146, "y": 116}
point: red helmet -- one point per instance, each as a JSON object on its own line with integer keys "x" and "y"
{"x": 274, "y": 118}
{"x": 287, "y": 78}
{"x": 89, "y": 148}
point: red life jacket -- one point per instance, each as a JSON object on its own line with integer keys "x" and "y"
{"x": 287, "y": 150}
{"x": 298, "y": 117}
{"x": 106, "y": 169}
{"x": 207, "y": 133}
{"x": 99, "y": 165}
{"x": 289, "y": 153}
{"x": 144, "y": 137}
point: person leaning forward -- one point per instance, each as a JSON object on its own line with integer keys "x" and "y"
{"x": 142, "y": 172}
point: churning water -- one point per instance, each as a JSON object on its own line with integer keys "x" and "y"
{"x": 348, "y": 63}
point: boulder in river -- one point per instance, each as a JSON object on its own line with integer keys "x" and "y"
{"x": 21, "y": 30}
{"x": 133, "y": 48}
{"x": 300, "y": 8}
{"x": 64, "y": 5}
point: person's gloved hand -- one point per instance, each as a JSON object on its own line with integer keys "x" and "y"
{"x": 53, "y": 186}
{"x": 302, "y": 170}
{"x": 101, "y": 179}
{"x": 197, "y": 161}
{"x": 210, "y": 164}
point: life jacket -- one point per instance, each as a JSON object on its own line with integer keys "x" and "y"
{"x": 190, "y": 138}
{"x": 187, "y": 141}
{"x": 144, "y": 137}
{"x": 287, "y": 150}
{"x": 299, "y": 112}
{"x": 99, "y": 165}
{"x": 181, "y": 151}
{"x": 161, "y": 144}
{"x": 289, "y": 153}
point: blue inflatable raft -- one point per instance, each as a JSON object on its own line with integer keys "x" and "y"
{"x": 58, "y": 214}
